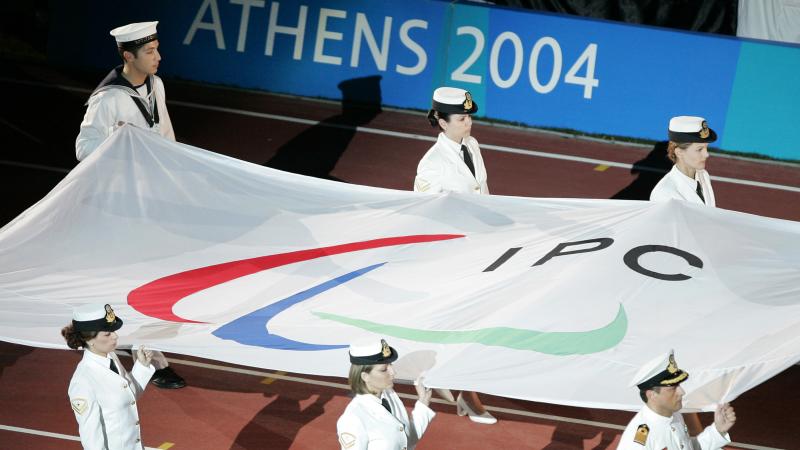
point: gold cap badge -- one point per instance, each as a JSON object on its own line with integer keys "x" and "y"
{"x": 704, "y": 132}
{"x": 386, "y": 351}
{"x": 110, "y": 316}
{"x": 672, "y": 367}
{"x": 468, "y": 101}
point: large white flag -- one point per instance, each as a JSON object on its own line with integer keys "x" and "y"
{"x": 553, "y": 300}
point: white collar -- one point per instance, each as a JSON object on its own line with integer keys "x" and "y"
{"x": 652, "y": 416}
{"x": 374, "y": 398}
{"x": 94, "y": 357}
{"x": 692, "y": 182}
{"x": 451, "y": 144}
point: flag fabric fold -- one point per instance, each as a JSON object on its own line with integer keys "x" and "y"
{"x": 554, "y": 300}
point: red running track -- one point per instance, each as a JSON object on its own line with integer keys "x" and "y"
{"x": 224, "y": 408}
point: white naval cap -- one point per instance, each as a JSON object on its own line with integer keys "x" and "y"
{"x": 372, "y": 351}
{"x": 135, "y": 34}
{"x": 95, "y": 317}
{"x": 452, "y": 100}
{"x": 660, "y": 371}
{"x": 686, "y": 129}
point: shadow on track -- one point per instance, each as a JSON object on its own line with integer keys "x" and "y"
{"x": 649, "y": 171}
{"x": 316, "y": 151}
{"x": 277, "y": 424}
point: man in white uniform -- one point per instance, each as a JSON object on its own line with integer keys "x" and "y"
{"x": 659, "y": 425}
{"x": 130, "y": 93}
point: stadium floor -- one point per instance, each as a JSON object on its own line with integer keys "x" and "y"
{"x": 235, "y": 407}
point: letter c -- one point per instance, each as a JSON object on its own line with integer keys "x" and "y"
{"x": 631, "y": 260}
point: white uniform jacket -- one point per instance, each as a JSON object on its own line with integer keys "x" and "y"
{"x": 443, "y": 169}
{"x": 680, "y": 187}
{"x": 366, "y": 424}
{"x": 104, "y": 402}
{"x": 113, "y": 104}
{"x": 668, "y": 432}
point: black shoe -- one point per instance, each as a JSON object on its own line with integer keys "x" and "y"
{"x": 166, "y": 378}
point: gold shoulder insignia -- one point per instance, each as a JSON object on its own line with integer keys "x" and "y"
{"x": 79, "y": 405}
{"x": 641, "y": 434}
{"x": 347, "y": 440}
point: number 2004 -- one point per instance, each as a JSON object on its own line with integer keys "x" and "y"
{"x": 588, "y": 58}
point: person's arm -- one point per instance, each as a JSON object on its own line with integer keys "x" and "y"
{"x": 428, "y": 181}
{"x": 97, "y": 125}
{"x": 421, "y": 415}
{"x": 633, "y": 439}
{"x": 142, "y": 369}
{"x": 478, "y": 156}
{"x": 429, "y": 177}
{"x": 164, "y": 121}
{"x": 88, "y": 414}
{"x": 352, "y": 435}
{"x": 663, "y": 193}
{"x": 716, "y": 436}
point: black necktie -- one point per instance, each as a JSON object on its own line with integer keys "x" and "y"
{"x": 385, "y": 404}
{"x": 699, "y": 191}
{"x": 113, "y": 366}
{"x": 468, "y": 159}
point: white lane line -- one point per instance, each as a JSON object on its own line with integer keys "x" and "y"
{"x": 421, "y": 137}
{"x": 33, "y": 166}
{"x": 21, "y": 131}
{"x": 593, "y": 161}
{"x": 263, "y": 374}
{"x": 498, "y": 148}
{"x": 65, "y": 437}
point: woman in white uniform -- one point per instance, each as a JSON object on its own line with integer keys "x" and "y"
{"x": 454, "y": 164}
{"x": 688, "y": 148}
{"x": 376, "y": 417}
{"x": 688, "y": 180}
{"x": 102, "y": 393}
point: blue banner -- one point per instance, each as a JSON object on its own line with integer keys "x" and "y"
{"x": 532, "y": 68}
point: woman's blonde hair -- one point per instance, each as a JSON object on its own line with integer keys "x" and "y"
{"x": 357, "y": 384}
{"x": 672, "y": 146}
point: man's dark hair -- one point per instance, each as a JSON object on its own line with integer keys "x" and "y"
{"x": 129, "y": 48}
{"x": 643, "y": 392}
